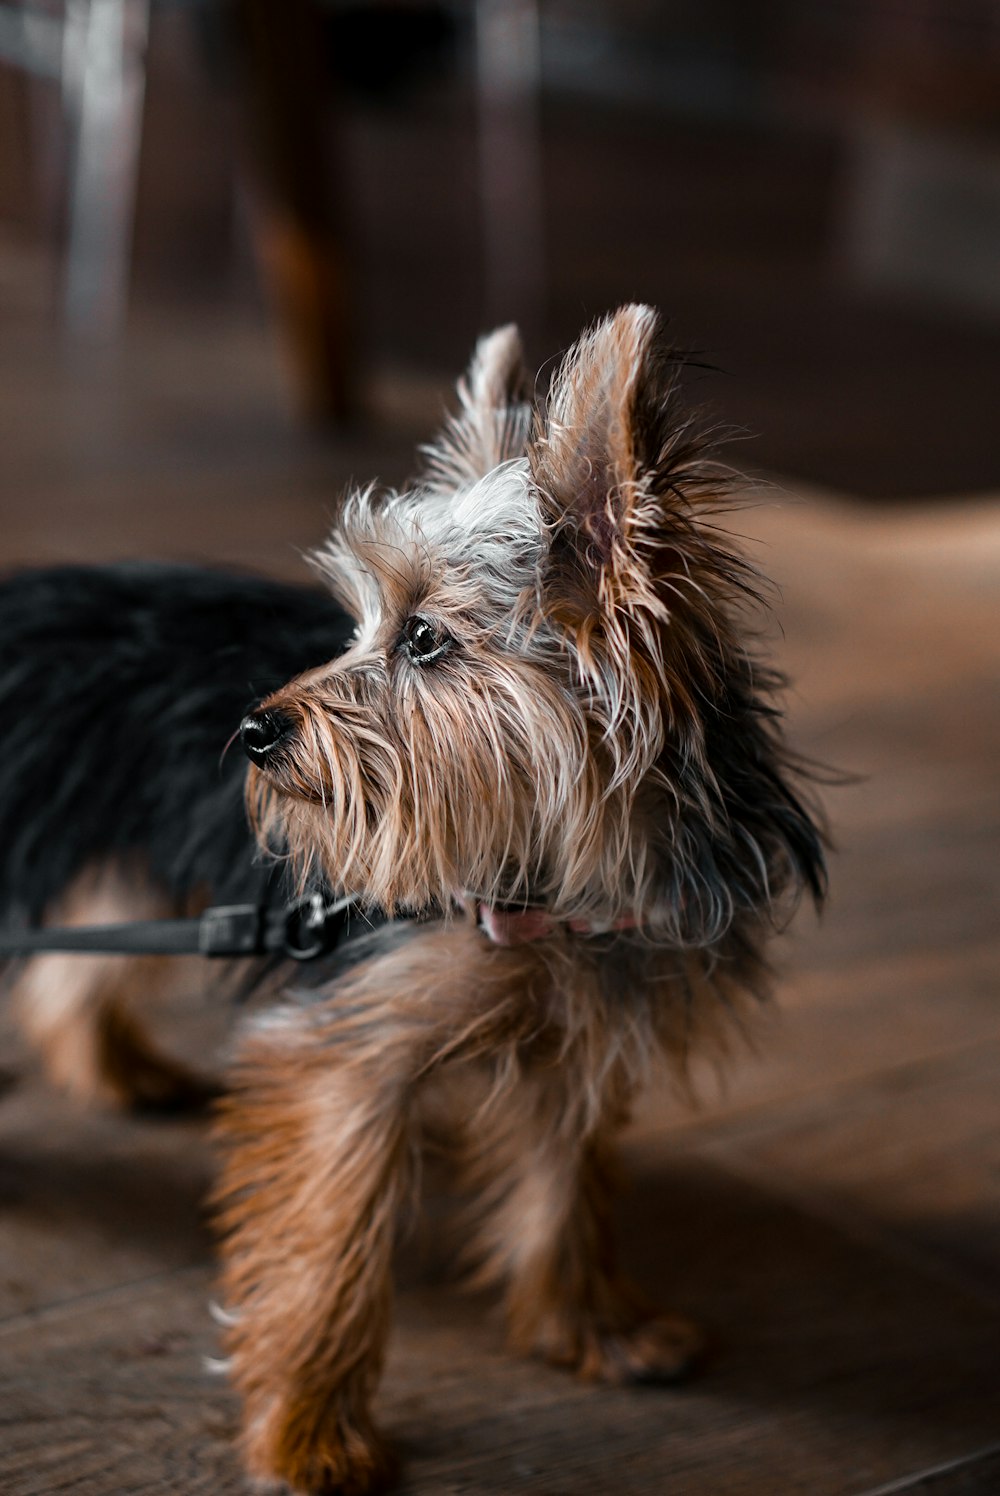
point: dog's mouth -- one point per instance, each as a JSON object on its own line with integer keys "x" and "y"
{"x": 279, "y": 773}
{"x": 286, "y": 775}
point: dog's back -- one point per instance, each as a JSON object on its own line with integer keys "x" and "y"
{"x": 120, "y": 687}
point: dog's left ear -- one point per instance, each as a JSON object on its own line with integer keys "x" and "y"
{"x": 492, "y": 422}
{"x": 596, "y": 461}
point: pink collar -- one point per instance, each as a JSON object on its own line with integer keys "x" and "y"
{"x": 521, "y": 926}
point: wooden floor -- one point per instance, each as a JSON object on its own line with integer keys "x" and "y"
{"x": 832, "y": 1215}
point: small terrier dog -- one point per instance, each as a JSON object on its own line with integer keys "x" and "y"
{"x": 549, "y": 719}
{"x": 550, "y": 739}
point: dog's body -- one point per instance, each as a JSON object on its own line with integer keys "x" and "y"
{"x": 549, "y": 733}
{"x": 119, "y": 688}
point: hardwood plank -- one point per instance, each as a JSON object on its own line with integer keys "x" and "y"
{"x": 90, "y": 1201}
{"x": 978, "y": 1475}
{"x": 833, "y": 1025}
{"x": 914, "y": 1151}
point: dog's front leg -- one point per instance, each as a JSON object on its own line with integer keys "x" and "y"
{"x": 317, "y": 1170}
{"x": 318, "y": 1136}
{"x": 542, "y": 1162}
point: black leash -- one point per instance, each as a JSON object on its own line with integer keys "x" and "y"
{"x": 302, "y": 930}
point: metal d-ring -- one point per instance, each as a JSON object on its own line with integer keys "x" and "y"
{"x": 313, "y": 927}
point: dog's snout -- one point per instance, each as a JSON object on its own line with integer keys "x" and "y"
{"x": 262, "y": 732}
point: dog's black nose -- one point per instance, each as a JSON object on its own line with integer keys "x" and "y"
{"x": 261, "y": 733}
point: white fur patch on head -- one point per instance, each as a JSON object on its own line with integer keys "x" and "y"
{"x": 482, "y": 543}
{"x": 492, "y": 528}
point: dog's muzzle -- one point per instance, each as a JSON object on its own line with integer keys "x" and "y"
{"x": 263, "y": 732}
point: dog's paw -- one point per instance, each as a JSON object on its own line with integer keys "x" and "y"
{"x": 652, "y": 1348}
{"x": 360, "y": 1466}
{"x": 663, "y": 1348}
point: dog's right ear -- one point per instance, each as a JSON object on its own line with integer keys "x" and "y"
{"x": 494, "y": 416}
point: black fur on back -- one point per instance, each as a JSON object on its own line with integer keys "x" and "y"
{"x": 119, "y": 689}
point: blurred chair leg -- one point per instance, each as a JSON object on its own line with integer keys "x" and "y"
{"x": 103, "y": 87}
{"x": 288, "y": 91}
{"x": 508, "y": 83}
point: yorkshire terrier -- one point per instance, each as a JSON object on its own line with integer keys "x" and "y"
{"x": 550, "y": 756}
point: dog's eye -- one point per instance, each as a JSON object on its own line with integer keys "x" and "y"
{"x": 423, "y": 641}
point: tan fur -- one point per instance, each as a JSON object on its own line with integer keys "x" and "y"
{"x": 322, "y": 1130}
{"x": 583, "y": 730}
{"x": 79, "y": 1009}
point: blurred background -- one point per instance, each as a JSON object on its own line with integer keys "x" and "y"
{"x": 244, "y": 220}
{"x": 245, "y": 247}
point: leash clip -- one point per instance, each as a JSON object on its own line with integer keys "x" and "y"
{"x": 311, "y": 927}
{"x": 302, "y": 930}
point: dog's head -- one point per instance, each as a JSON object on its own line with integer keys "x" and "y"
{"x": 549, "y": 697}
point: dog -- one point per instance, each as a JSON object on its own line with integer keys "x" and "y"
{"x": 545, "y": 753}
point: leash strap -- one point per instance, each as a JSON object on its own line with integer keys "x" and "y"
{"x": 303, "y": 930}
{"x": 307, "y": 928}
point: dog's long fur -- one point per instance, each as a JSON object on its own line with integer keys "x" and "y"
{"x": 550, "y": 703}
{"x": 119, "y": 688}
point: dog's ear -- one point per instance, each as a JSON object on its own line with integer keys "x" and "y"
{"x": 591, "y": 463}
{"x": 625, "y": 482}
{"x": 492, "y": 422}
